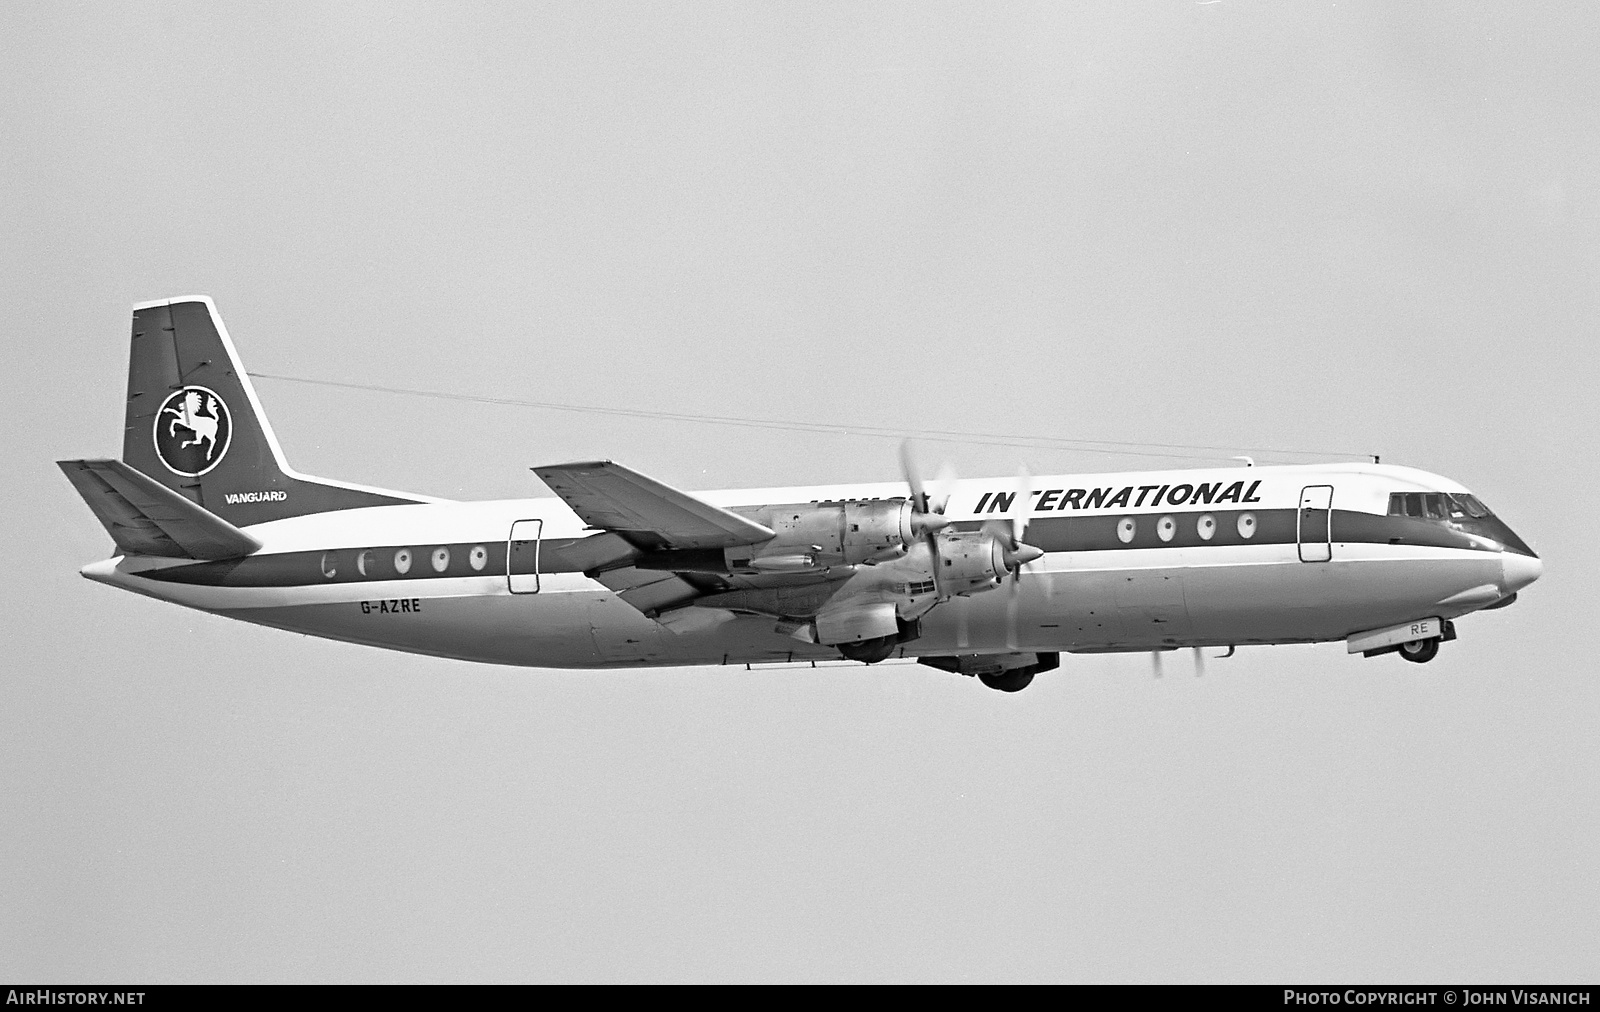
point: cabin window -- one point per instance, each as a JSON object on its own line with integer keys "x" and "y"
{"x": 478, "y": 557}
{"x": 441, "y": 559}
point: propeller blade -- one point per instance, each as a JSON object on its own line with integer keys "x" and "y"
{"x": 1011, "y": 622}
{"x": 942, "y": 488}
{"x": 1155, "y": 663}
{"x": 925, "y": 521}
{"x": 926, "y": 505}
{"x": 1014, "y": 588}
{"x": 908, "y": 467}
{"x": 924, "y": 524}
{"x": 1199, "y": 662}
{"x": 1021, "y": 506}
{"x": 1000, "y": 531}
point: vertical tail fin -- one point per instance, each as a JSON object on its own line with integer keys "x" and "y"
{"x": 194, "y": 424}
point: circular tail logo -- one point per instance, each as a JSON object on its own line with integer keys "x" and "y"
{"x": 192, "y": 431}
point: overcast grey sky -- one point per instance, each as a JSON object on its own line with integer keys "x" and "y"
{"x": 1353, "y": 226}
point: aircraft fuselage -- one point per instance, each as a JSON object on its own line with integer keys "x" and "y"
{"x": 1132, "y": 561}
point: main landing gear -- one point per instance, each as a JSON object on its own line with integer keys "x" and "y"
{"x": 1014, "y": 680}
{"x": 879, "y": 648}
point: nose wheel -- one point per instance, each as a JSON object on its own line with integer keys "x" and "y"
{"x": 1420, "y": 651}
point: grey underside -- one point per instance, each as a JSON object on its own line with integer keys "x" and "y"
{"x": 1072, "y": 611}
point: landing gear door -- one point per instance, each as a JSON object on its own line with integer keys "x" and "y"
{"x": 522, "y": 557}
{"x": 1314, "y": 523}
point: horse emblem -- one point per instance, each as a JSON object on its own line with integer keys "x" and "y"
{"x": 192, "y": 431}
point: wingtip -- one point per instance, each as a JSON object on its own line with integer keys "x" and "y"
{"x": 102, "y": 571}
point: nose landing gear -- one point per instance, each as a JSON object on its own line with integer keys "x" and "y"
{"x": 1420, "y": 651}
{"x": 1418, "y": 641}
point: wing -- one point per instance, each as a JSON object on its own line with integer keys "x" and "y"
{"x": 145, "y": 517}
{"x": 650, "y": 592}
{"x": 648, "y": 514}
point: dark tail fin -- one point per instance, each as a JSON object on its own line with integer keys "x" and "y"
{"x": 194, "y": 424}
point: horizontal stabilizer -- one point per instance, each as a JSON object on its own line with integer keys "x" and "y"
{"x": 145, "y": 517}
{"x": 647, "y": 513}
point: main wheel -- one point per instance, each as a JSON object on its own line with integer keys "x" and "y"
{"x": 1014, "y": 680}
{"x": 869, "y": 651}
{"x": 1420, "y": 651}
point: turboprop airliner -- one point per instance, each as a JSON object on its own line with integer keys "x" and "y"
{"x": 992, "y": 577}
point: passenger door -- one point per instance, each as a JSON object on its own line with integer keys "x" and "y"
{"x": 522, "y": 557}
{"x": 1314, "y": 525}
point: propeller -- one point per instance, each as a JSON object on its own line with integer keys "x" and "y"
{"x": 928, "y": 504}
{"x": 927, "y": 509}
{"x": 927, "y": 514}
{"x": 1199, "y": 662}
{"x": 1014, "y": 554}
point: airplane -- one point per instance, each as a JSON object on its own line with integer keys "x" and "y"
{"x": 991, "y": 577}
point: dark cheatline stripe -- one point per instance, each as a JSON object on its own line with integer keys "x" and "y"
{"x": 362, "y": 565}
{"x": 1272, "y": 527}
{"x": 1051, "y": 533}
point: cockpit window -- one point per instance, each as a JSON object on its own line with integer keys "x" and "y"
{"x": 1469, "y": 505}
{"x": 1416, "y": 504}
{"x": 1436, "y": 506}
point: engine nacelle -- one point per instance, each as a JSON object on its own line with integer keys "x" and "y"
{"x": 818, "y": 535}
{"x": 970, "y": 561}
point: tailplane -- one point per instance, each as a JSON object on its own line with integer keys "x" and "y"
{"x": 144, "y": 517}
{"x": 194, "y": 424}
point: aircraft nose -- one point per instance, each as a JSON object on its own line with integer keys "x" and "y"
{"x": 1517, "y": 571}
